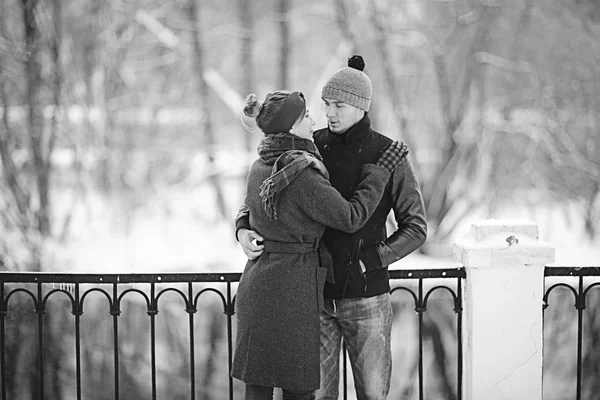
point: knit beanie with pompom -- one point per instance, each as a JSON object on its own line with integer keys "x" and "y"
{"x": 350, "y": 85}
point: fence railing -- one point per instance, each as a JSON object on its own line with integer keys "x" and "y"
{"x": 565, "y": 287}
{"x": 578, "y": 282}
{"x": 149, "y": 289}
{"x": 421, "y": 298}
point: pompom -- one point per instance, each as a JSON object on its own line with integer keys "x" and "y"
{"x": 252, "y": 106}
{"x": 356, "y": 62}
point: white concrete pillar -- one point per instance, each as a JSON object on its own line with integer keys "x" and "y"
{"x": 502, "y": 309}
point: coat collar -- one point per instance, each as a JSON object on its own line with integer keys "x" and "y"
{"x": 354, "y": 137}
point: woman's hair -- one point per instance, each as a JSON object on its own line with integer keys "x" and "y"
{"x": 267, "y": 113}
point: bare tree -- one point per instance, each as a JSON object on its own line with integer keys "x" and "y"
{"x": 459, "y": 77}
{"x": 35, "y": 119}
{"x": 247, "y": 46}
{"x": 284, "y": 44}
{"x": 94, "y": 73}
{"x": 343, "y": 21}
{"x": 57, "y": 85}
{"x": 391, "y": 80}
{"x": 20, "y": 197}
{"x": 27, "y": 211}
{"x": 204, "y": 95}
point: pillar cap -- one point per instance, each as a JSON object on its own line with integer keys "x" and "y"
{"x": 486, "y": 227}
{"x": 503, "y": 242}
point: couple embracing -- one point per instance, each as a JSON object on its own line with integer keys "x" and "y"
{"x": 313, "y": 226}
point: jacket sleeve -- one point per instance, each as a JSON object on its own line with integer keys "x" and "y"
{"x": 242, "y": 220}
{"x": 409, "y": 212}
{"x": 327, "y": 206}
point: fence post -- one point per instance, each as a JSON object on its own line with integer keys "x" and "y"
{"x": 502, "y": 318}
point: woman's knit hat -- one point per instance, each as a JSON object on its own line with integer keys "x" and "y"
{"x": 350, "y": 85}
{"x": 278, "y": 113}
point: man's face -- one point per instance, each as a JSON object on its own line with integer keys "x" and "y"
{"x": 341, "y": 116}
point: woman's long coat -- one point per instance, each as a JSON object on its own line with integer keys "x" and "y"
{"x": 279, "y": 297}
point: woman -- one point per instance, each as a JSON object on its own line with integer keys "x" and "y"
{"x": 291, "y": 201}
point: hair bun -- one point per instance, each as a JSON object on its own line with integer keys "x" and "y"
{"x": 356, "y": 62}
{"x": 252, "y": 106}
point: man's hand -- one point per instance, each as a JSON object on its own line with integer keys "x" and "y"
{"x": 250, "y": 242}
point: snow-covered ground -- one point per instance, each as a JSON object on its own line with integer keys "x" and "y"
{"x": 179, "y": 230}
{"x": 190, "y": 237}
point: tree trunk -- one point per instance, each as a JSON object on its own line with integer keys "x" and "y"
{"x": 58, "y": 77}
{"x": 10, "y": 173}
{"x": 95, "y": 98}
{"x": 246, "y": 63}
{"x": 54, "y": 328}
{"x": 391, "y": 81}
{"x": 342, "y": 20}
{"x": 204, "y": 95}
{"x": 35, "y": 121}
{"x": 591, "y": 107}
{"x": 455, "y": 97}
{"x": 284, "y": 49}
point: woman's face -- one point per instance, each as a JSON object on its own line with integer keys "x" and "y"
{"x": 303, "y": 127}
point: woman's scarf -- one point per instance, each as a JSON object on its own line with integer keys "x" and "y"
{"x": 289, "y": 155}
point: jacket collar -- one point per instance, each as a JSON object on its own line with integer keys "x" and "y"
{"x": 354, "y": 137}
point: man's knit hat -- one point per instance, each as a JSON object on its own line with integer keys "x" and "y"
{"x": 350, "y": 85}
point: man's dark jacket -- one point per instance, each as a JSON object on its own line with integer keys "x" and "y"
{"x": 344, "y": 155}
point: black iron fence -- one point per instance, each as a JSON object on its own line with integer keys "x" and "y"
{"x": 571, "y": 331}
{"x": 448, "y": 283}
{"x": 35, "y": 293}
{"x": 569, "y": 290}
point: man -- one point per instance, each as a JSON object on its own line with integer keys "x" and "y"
{"x": 357, "y": 299}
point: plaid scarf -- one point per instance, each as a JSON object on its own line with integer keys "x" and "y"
{"x": 289, "y": 155}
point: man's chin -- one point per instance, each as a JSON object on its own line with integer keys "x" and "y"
{"x": 335, "y": 128}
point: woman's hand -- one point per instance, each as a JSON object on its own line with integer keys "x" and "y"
{"x": 393, "y": 156}
{"x": 251, "y": 243}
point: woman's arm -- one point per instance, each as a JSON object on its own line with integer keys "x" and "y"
{"x": 326, "y": 205}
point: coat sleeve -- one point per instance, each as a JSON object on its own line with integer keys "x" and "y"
{"x": 242, "y": 219}
{"x": 409, "y": 212}
{"x": 327, "y": 206}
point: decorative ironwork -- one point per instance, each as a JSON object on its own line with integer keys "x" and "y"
{"x": 39, "y": 288}
{"x": 420, "y": 307}
{"x": 580, "y": 293}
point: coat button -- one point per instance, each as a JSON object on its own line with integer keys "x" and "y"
{"x": 357, "y": 151}
{"x": 326, "y": 147}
